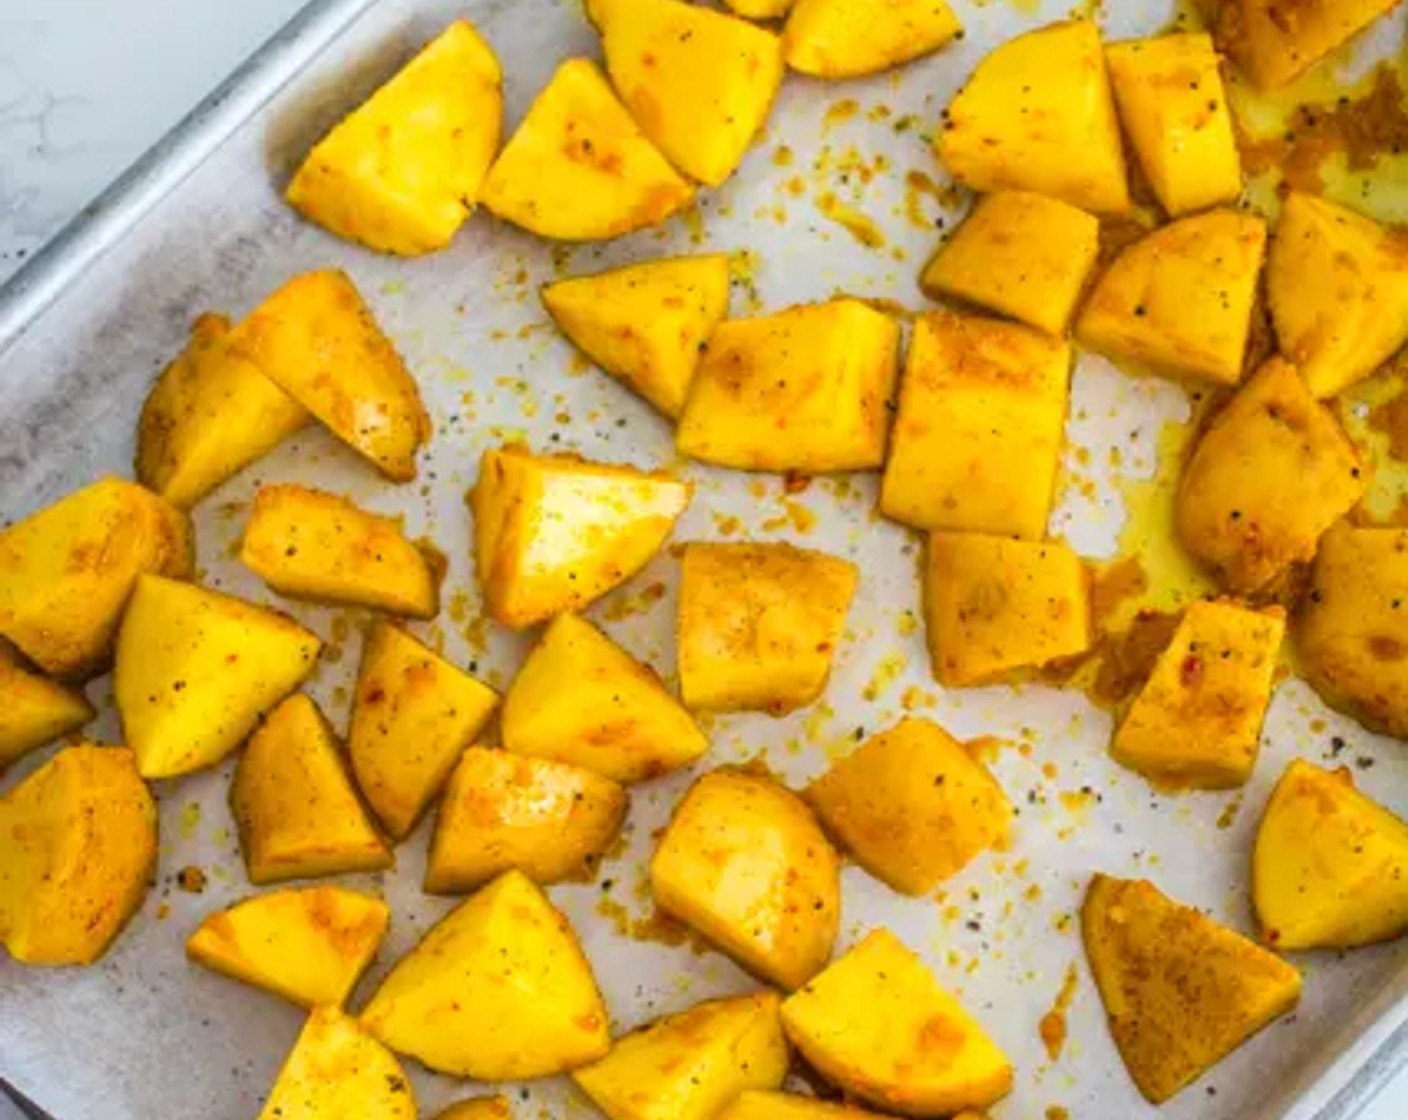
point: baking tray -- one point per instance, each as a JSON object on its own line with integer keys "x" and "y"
{"x": 198, "y": 225}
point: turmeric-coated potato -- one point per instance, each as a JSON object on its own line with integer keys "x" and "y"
{"x": 478, "y": 1108}
{"x": 877, "y": 1025}
{"x": 67, "y": 571}
{"x": 849, "y": 38}
{"x": 764, "y": 1104}
{"x": 316, "y": 338}
{"x": 309, "y": 946}
{"x": 554, "y": 532}
{"x": 1275, "y": 41}
{"x": 498, "y": 991}
{"x": 579, "y": 168}
{"x": 1180, "y": 991}
{"x": 759, "y": 624}
{"x": 1272, "y": 472}
{"x": 688, "y": 1066}
{"x": 196, "y": 669}
{"x": 760, "y": 9}
{"x": 337, "y": 1071}
{"x": 1037, "y": 115}
{"x": 35, "y": 710}
{"x": 1179, "y": 301}
{"x": 803, "y": 390}
{"x": 402, "y": 172}
{"x": 581, "y": 699}
{"x": 978, "y": 396}
{"x": 210, "y": 414}
{"x": 744, "y": 862}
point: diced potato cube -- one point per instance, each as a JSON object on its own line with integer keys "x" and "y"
{"x": 646, "y": 323}
{"x": 79, "y": 841}
{"x": 762, "y": 1104}
{"x": 195, "y": 671}
{"x": 1037, "y": 115}
{"x": 579, "y": 168}
{"x": 744, "y": 862}
{"x": 310, "y": 946}
{"x": 581, "y": 699}
{"x": 335, "y": 1070}
{"x": 1181, "y": 992}
{"x": 402, "y": 172}
{"x": 688, "y": 1066}
{"x": 67, "y": 571}
{"x": 478, "y": 1108}
{"x": 1275, "y": 41}
{"x": 293, "y": 800}
{"x": 1020, "y": 254}
{"x": 554, "y": 532}
{"x": 759, "y": 625}
{"x": 877, "y": 1024}
{"x": 36, "y": 710}
{"x": 1179, "y": 301}
{"x": 912, "y": 805}
{"x": 978, "y": 395}
{"x": 849, "y": 38}
{"x": 499, "y": 990}
{"x": 993, "y": 606}
{"x": 1272, "y": 472}
{"x": 802, "y": 390}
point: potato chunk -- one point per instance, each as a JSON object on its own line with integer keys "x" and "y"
{"x": 1037, "y": 115}
{"x": 1272, "y": 472}
{"x": 1175, "y": 112}
{"x": 210, "y": 414}
{"x": 309, "y": 946}
{"x": 688, "y": 1066}
{"x": 36, "y": 710}
{"x": 554, "y": 532}
{"x": 1342, "y": 328}
{"x": 1181, "y": 992}
{"x": 978, "y": 395}
{"x": 402, "y": 172}
{"x": 582, "y": 699}
{"x": 499, "y": 990}
{"x": 195, "y": 671}
{"x": 760, "y": 9}
{"x": 912, "y": 805}
{"x": 993, "y": 606}
{"x": 478, "y": 1108}
{"x": 646, "y": 323}
{"x": 67, "y": 571}
{"x": 1019, "y": 254}
{"x": 336, "y": 1071}
{"x": 315, "y": 337}
{"x": 1179, "y": 301}
{"x": 579, "y": 168}
{"x": 877, "y": 1024}
{"x": 79, "y": 838}
{"x": 802, "y": 390}
{"x": 759, "y": 624}
{"x": 1275, "y": 41}
{"x": 1196, "y": 723}
{"x": 762, "y": 1104}
{"x": 413, "y": 715}
{"x": 293, "y": 800}
{"x": 744, "y": 862}
{"x": 849, "y": 38}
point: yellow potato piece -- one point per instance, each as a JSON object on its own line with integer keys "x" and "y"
{"x": 849, "y": 38}
{"x": 977, "y": 396}
{"x": 760, "y": 9}
{"x": 335, "y": 1072}
{"x": 579, "y": 168}
{"x": 67, "y": 571}
{"x": 293, "y": 800}
{"x": 499, "y": 990}
{"x": 195, "y": 671}
{"x": 36, "y": 710}
{"x": 315, "y": 337}
{"x": 413, "y": 715}
{"x": 759, "y": 624}
{"x": 309, "y": 946}
{"x": 1179, "y": 301}
{"x": 646, "y": 323}
{"x": 581, "y": 699}
{"x": 762, "y": 1104}
{"x": 744, "y": 862}
{"x": 877, "y": 1024}
{"x": 1181, "y": 992}
{"x": 912, "y": 805}
{"x": 478, "y": 1108}
{"x": 1275, "y": 42}
{"x": 1037, "y": 115}
{"x": 209, "y": 415}
{"x": 1271, "y": 473}
{"x": 801, "y": 390}
{"x": 554, "y": 532}
{"x": 402, "y": 171}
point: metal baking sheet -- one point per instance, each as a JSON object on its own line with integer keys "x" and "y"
{"x": 199, "y": 225}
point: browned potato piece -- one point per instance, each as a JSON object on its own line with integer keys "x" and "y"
{"x": 1275, "y": 41}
